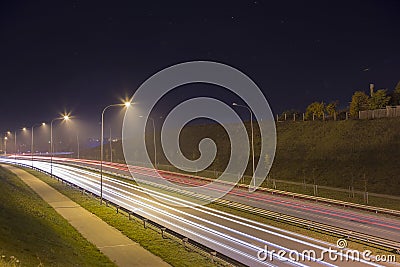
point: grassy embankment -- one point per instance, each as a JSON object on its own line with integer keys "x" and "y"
{"x": 337, "y": 154}
{"x": 170, "y": 249}
{"x": 33, "y": 234}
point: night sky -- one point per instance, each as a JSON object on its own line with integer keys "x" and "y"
{"x": 82, "y": 56}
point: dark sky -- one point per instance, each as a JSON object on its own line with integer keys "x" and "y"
{"x": 81, "y": 55}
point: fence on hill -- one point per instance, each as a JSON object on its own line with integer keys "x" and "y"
{"x": 389, "y": 111}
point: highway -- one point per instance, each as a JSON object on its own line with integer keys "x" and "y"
{"x": 346, "y": 218}
{"x": 235, "y": 237}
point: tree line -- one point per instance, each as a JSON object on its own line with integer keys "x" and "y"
{"x": 359, "y": 101}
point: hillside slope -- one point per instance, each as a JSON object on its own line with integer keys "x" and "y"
{"x": 333, "y": 153}
{"x": 340, "y": 153}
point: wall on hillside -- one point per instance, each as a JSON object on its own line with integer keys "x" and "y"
{"x": 388, "y": 112}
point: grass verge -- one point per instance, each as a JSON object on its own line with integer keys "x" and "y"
{"x": 32, "y": 233}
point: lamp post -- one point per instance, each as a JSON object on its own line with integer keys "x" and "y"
{"x": 126, "y": 104}
{"x": 65, "y": 118}
{"x": 77, "y": 142}
{"x": 252, "y": 135}
{"x": 15, "y": 146}
{"x": 5, "y": 145}
{"x": 43, "y": 124}
{"x": 20, "y": 145}
{"x": 110, "y": 141}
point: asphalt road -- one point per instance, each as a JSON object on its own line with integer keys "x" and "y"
{"x": 346, "y": 218}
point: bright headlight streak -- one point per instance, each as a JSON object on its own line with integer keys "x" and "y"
{"x": 212, "y": 231}
{"x": 72, "y": 177}
{"x": 173, "y": 225}
{"x": 230, "y": 229}
{"x": 206, "y": 238}
{"x": 82, "y": 182}
{"x": 215, "y": 232}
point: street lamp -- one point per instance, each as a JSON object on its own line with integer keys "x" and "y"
{"x": 65, "y": 118}
{"x": 20, "y": 145}
{"x": 42, "y": 124}
{"x": 126, "y": 104}
{"x": 252, "y": 135}
{"x": 15, "y": 146}
{"x": 15, "y": 142}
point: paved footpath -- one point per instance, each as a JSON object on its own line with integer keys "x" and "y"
{"x": 119, "y": 248}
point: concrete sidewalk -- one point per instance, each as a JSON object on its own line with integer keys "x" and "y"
{"x": 119, "y": 248}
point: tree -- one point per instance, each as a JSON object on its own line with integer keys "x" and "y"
{"x": 316, "y": 109}
{"x": 395, "y": 100}
{"x": 331, "y": 109}
{"x": 359, "y": 101}
{"x": 379, "y": 99}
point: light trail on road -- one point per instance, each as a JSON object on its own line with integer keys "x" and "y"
{"x": 349, "y": 219}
